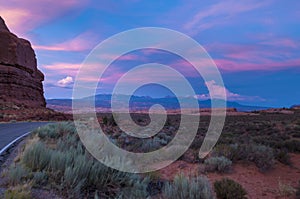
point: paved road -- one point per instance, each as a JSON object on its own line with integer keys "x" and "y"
{"x": 10, "y": 131}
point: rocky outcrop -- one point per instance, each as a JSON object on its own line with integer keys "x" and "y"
{"x": 20, "y": 80}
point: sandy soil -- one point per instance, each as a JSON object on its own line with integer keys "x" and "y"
{"x": 257, "y": 184}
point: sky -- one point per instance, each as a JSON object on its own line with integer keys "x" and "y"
{"x": 254, "y": 43}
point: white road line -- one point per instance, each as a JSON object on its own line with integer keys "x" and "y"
{"x": 11, "y": 143}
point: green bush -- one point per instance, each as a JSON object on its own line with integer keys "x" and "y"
{"x": 101, "y": 175}
{"x": 262, "y": 156}
{"x": 220, "y": 164}
{"x": 40, "y": 178}
{"x": 137, "y": 191}
{"x": 17, "y": 174}
{"x": 37, "y": 157}
{"x": 283, "y": 156}
{"x": 165, "y": 137}
{"x": 229, "y": 151}
{"x": 71, "y": 170}
{"x": 19, "y": 192}
{"x": 229, "y": 189}
{"x": 183, "y": 187}
{"x": 58, "y": 162}
{"x": 73, "y": 183}
{"x": 48, "y": 131}
{"x": 152, "y": 144}
{"x": 56, "y": 130}
{"x": 292, "y": 145}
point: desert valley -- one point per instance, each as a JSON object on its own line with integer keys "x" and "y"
{"x": 44, "y": 155}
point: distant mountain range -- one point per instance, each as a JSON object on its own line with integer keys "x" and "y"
{"x": 144, "y": 102}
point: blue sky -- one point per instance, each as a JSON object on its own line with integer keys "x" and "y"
{"x": 254, "y": 43}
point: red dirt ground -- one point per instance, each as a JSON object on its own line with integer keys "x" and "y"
{"x": 258, "y": 185}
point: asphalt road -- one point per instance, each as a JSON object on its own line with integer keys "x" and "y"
{"x": 11, "y": 131}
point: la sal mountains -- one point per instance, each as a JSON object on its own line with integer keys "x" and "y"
{"x": 103, "y": 103}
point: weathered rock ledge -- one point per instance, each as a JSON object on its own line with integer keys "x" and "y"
{"x": 21, "y": 88}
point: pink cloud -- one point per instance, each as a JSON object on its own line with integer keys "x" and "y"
{"x": 23, "y": 16}
{"x": 282, "y": 42}
{"x": 271, "y": 56}
{"x": 221, "y": 13}
{"x": 270, "y": 39}
{"x": 127, "y": 57}
{"x": 63, "y": 68}
{"x": 84, "y": 41}
{"x": 58, "y": 66}
{"x": 234, "y": 65}
{"x": 220, "y": 92}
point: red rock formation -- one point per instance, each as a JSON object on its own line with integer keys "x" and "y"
{"x": 20, "y": 80}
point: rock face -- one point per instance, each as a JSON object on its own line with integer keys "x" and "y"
{"x": 20, "y": 80}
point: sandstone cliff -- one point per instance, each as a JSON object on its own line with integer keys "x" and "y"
{"x": 20, "y": 80}
{"x": 21, "y": 88}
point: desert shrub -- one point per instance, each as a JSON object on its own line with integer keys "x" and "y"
{"x": 165, "y": 137}
{"x": 102, "y": 178}
{"x": 220, "y": 164}
{"x": 283, "y": 156}
{"x": 196, "y": 144}
{"x": 73, "y": 183}
{"x": 183, "y": 187}
{"x": 82, "y": 173}
{"x": 229, "y": 151}
{"x": 152, "y": 144}
{"x": 101, "y": 175}
{"x": 17, "y": 174}
{"x": 292, "y": 145}
{"x": 109, "y": 121}
{"x": 55, "y": 131}
{"x": 137, "y": 191}
{"x": 262, "y": 156}
{"x": 40, "y": 178}
{"x": 76, "y": 174}
{"x": 58, "y": 161}
{"x": 286, "y": 190}
{"x": 153, "y": 175}
{"x": 66, "y": 128}
{"x": 228, "y": 189}
{"x": 48, "y": 131}
{"x": 37, "y": 156}
{"x": 67, "y": 142}
{"x": 69, "y": 168}
{"x": 19, "y": 192}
